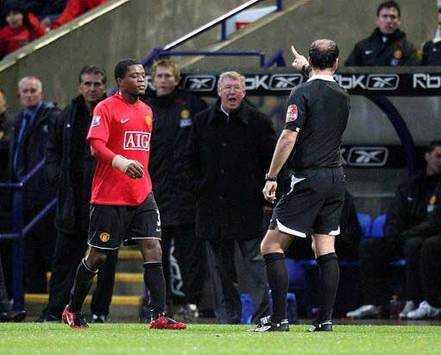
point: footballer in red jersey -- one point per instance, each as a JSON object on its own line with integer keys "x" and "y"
{"x": 122, "y": 202}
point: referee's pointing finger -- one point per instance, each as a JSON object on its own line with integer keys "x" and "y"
{"x": 294, "y": 52}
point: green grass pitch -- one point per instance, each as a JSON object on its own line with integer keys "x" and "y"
{"x": 32, "y": 338}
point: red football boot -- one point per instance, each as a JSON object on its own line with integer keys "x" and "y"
{"x": 74, "y": 320}
{"x": 163, "y": 322}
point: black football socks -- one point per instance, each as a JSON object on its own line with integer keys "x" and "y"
{"x": 81, "y": 286}
{"x": 278, "y": 282}
{"x": 329, "y": 278}
{"x": 155, "y": 282}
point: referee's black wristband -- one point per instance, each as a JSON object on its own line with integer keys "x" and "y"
{"x": 306, "y": 70}
{"x": 270, "y": 178}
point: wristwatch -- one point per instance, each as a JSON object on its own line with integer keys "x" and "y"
{"x": 270, "y": 178}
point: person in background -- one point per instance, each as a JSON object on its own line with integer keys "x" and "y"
{"x": 73, "y": 9}
{"x": 22, "y": 27}
{"x": 174, "y": 110}
{"x": 70, "y": 168}
{"x": 229, "y": 151}
{"x": 405, "y": 231}
{"x": 387, "y": 45}
{"x": 432, "y": 48}
{"x": 31, "y": 134}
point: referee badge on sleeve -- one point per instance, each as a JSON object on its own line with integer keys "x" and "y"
{"x": 292, "y": 113}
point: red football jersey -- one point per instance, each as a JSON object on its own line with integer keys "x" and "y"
{"x": 126, "y": 129}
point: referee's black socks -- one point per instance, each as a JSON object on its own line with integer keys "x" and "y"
{"x": 155, "y": 282}
{"x": 81, "y": 286}
{"x": 278, "y": 282}
{"x": 329, "y": 278}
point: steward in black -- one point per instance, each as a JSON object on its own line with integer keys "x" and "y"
{"x": 431, "y": 53}
{"x": 171, "y": 130}
{"x": 319, "y": 111}
{"x": 383, "y": 50}
{"x": 70, "y": 167}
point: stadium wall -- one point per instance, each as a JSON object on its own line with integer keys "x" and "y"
{"x": 117, "y": 30}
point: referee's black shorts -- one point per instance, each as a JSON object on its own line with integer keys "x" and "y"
{"x": 110, "y": 225}
{"x": 312, "y": 203}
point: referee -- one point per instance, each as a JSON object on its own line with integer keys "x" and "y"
{"x": 316, "y": 118}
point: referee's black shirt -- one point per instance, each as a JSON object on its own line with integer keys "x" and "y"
{"x": 318, "y": 110}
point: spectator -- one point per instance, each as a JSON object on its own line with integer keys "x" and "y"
{"x": 75, "y": 8}
{"x": 431, "y": 265}
{"x": 432, "y": 49}
{"x": 70, "y": 168}
{"x": 230, "y": 149}
{"x": 45, "y": 8}
{"x": 22, "y": 27}
{"x": 387, "y": 45}
{"x": 6, "y": 133}
{"x": 31, "y": 134}
{"x": 6, "y": 125}
{"x": 404, "y": 234}
{"x": 174, "y": 110}
{"x": 6, "y": 313}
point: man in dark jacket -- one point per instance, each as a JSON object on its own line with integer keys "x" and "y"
{"x": 430, "y": 307}
{"x": 230, "y": 149}
{"x": 31, "y": 132}
{"x": 387, "y": 45}
{"x": 173, "y": 111}
{"x": 405, "y": 231}
{"x": 432, "y": 48}
{"x": 70, "y": 169}
{"x": 6, "y": 134}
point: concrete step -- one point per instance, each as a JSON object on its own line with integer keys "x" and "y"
{"x": 117, "y": 300}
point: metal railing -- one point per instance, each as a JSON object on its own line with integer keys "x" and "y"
{"x": 20, "y": 231}
{"x": 220, "y": 21}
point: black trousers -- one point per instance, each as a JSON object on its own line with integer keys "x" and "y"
{"x": 38, "y": 251}
{"x": 375, "y": 269}
{"x": 190, "y": 255}
{"x": 430, "y": 264}
{"x": 237, "y": 267}
{"x": 69, "y": 251}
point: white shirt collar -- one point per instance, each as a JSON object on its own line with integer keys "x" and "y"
{"x": 224, "y": 111}
{"x": 322, "y": 77}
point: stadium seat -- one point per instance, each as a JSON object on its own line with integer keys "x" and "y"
{"x": 365, "y": 221}
{"x": 248, "y": 308}
{"x": 296, "y": 274}
{"x": 378, "y": 226}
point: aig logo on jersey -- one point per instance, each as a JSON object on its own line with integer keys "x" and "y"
{"x": 134, "y": 140}
{"x": 292, "y": 113}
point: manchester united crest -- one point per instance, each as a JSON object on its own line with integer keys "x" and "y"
{"x": 148, "y": 120}
{"x": 104, "y": 237}
{"x": 185, "y": 114}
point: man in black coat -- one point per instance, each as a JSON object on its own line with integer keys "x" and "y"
{"x": 70, "y": 169}
{"x": 432, "y": 48}
{"x": 387, "y": 45}
{"x": 405, "y": 232}
{"x": 173, "y": 111}
{"x": 31, "y": 132}
{"x": 230, "y": 149}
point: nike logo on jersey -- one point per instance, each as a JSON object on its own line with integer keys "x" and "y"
{"x": 368, "y": 51}
{"x": 124, "y": 120}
